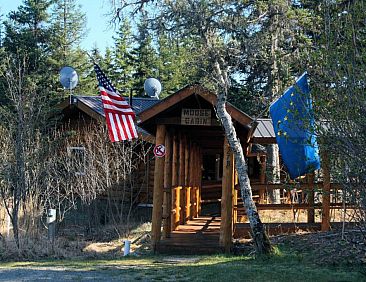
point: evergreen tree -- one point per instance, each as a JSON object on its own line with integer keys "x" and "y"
{"x": 68, "y": 29}
{"x": 26, "y": 42}
{"x": 275, "y": 50}
{"x": 27, "y": 34}
{"x": 124, "y": 60}
{"x": 177, "y": 62}
{"x": 146, "y": 57}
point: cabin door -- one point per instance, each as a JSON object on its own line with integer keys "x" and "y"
{"x": 211, "y": 184}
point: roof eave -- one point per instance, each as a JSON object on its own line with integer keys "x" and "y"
{"x": 187, "y": 91}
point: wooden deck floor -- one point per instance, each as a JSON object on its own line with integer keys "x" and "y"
{"x": 198, "y": 236}
{"x": 201, "y": 235}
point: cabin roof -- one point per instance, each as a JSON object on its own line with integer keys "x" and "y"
{"x": 147, "y": 108}
{"x": 93, "y": 106}
{"x": 263, "y": 128}
{"x": 186, "y": 92}
{"x": 264, "y": 132}
{"x": 139, "y": 104}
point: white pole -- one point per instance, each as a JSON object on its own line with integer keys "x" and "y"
{"x": 126, "y": 250}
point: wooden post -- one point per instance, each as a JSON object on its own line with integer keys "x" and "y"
{"x": 186, "y": 184}
{"x": 326, "y": 194}
{"x": 200, "y": 157}
{"x": 196, "y": 183}
{"x": 262, "y": 178}
{"x": 311, "y": 211}
{"x": 181, "y": 178}
{"x": 226, "y": 227}
{"x": 192, "y": 174}
{"x": 175, "y": 174}
{"x": 167, "y": 207}
{"x": 235, "y": 198}
{"x": 197, "y": 180}
{"x": 158, "y": 190}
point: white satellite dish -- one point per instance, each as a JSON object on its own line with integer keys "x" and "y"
{"x": 68, "y": 78}
{"x": 152, "y": 87}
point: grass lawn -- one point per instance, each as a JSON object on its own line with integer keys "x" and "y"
{"x": 284, "y": 266}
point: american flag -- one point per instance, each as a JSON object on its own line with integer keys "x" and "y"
{"x": 118, "y": 113}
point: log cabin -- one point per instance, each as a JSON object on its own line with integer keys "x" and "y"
{"x": 195, "y": 200}
{"x": 193, "y": 188}
{"x": 84, "y": 116}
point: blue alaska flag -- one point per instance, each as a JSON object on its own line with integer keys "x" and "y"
{"x": 293, "y": 123}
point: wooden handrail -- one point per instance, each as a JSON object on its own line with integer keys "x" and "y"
{"x": 295, "y": 206}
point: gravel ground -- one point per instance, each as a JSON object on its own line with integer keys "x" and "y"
{"x": 60, "y": 274}
{"x": 57, "y": 274}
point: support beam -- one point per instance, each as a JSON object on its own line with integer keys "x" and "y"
{"x": 273, "y": 174}
{"x": 326, "y": 194}
{"x": 186, "y": 184}
{"x": 197, "y": 181}
{"x": 235, "y": 198}
{"x": 167, "y": 207}
{"x": 311, "y": 211}
{"x": 262, "y": 178}
{"x": 158, "y": 190}
{"x": 181, "y": 178}
{"x": 192, "y": 180}
{"x": 226, "y": 226}
{"x": 200, "y": 154}
{"x": 176, "y": 188}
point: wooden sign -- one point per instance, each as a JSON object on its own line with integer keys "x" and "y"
{"x": 196, "y": 117}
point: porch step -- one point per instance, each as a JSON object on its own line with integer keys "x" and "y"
{"x": 198, "y": 236}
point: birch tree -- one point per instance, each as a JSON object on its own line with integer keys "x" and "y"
{"x": 216, "y": 25}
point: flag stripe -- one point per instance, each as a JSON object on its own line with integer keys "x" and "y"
{"x": 113, "y": 127}
{"x": 118, "y": 100}
{"x": 126, "y": 124}
{"x": 125, "y": 131}
{"x": 116, "y": 121}
{"x": 116, "y": 110}
{"x": 119, "y": 115}
{"x": 134, "y": 132}
{"x": 120, "y": 127}
{"x": 129, "y": 125}
{"x": 121, "y": 105}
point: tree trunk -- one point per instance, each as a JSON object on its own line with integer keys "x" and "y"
{"x": 20, "y": 181}
{"x": 273, "y": 172}
{"x": 261, "y": 240}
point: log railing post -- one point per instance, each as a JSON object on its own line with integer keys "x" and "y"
{"x": 200, "y": 161}
{"x": 192, "y": 174}
{"x": 235, "y": 198}
{"x": 262, "y": 178}
{"x": 226, "y": 227}
{"x": 186, "y": 184}
{"x": 167, "y": 207}
{"x": 311, "y": 211}
{"x": 158, "y": 190}
{"x": 176, "y": 191}
{"x": 181, "y": 179}
{"x": 326, "y": 194}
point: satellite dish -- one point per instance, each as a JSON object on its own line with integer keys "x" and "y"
{"x": 68, "y": 78}
{"x": 152, "y": 87}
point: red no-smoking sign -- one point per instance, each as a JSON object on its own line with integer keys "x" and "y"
{"x": 159, "y": 150}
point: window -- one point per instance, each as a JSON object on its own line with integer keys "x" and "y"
{"x": 77, "y": 160}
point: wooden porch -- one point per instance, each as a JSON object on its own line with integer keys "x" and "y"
{"x": 197, "y": 236}
{"x": 201, "y": 235}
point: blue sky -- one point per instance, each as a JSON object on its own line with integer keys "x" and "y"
{"x": 99, "y": 33}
